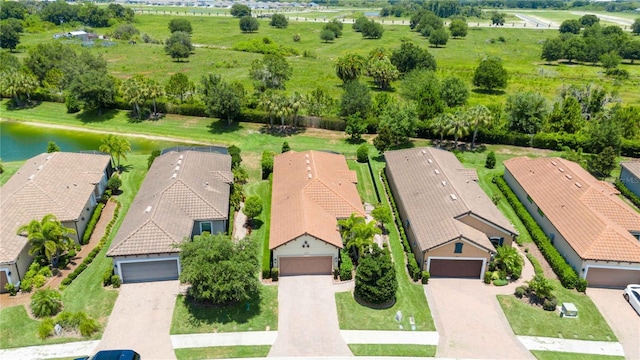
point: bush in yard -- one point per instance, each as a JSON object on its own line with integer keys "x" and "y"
{"x": 275, "y": 273}
{"x": 376, "y": 281}
{"x": 362, "y": 154}
{"x": 550, "y": 304}
{"x": 236, "y": 158}
{"x": 114, "y": 183}
{"x": 520, "y": 291}
{"x": 413, "y": 268}
{"x": 490, "y": 163}
{"x": 92, "y": 223}
{"x": 267, "y": 163}
{"x": 581, "y": 285}
{"x": 45, "y": 329}
{"x": 46, "y": 302}
{"x": 487, "y": 277}
{"x": 425, "y": 277}
{"x": 115, "y": 281}
{"x": 11, "y": 289}
{"x": 285, "y": 147}
{"x": 106, "y": 277}
{"x": 154, "y": 154}
{"x": 500, "y": 282}
{"x": 88, "y": 325}
{"x": 346, "y": 266}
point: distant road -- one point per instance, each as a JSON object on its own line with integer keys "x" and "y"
{"x": 613, "y": 19}
{"x": 535, "y": 21}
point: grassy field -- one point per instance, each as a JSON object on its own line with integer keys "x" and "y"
{"x": 393, "y": 350}
{"x": 534, "y": 321}
{"x": 86, "y": 292}
{"x": 8, "y": 169}
{"x": 262, "y": 223}
{"x": 365, "y": 184}
{"x": 520, "y": 52}
{"x": 223, "y": 352}
{"x": 552, "y": 355}
{"x": 257, "y": 314}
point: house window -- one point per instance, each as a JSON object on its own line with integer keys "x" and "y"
{"x": 529, "y": 199}
{"x": 540, "y": 212}
{"x": 206, "y": 226}
{"x": 458, "y": 249}
{"x": 497, "y": 241}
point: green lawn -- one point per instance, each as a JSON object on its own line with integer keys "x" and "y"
{"x": 552, "y": 355}
{"x": 410, "y": 298}
{"x": 86, "y": 292}
{"x": 393, "y": 350}
{"x": 529, "y": 320}
{"x": 365, "y": 184}
{"x": 8, "y": 169}
{"x": 254, "y": 315}
{"x": 262, "y": 223}
{"x": 223, "y": 352}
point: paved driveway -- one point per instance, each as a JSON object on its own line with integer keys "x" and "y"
{"x": 141, "y": 320}
{"x": 470, "y": 322}
{"x": 307, "y": 318}
{"x": 621, "y": 317}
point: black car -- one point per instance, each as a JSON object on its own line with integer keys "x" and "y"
{"x": 113, "y": 355}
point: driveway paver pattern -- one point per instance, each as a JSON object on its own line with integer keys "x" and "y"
{"x": 141, "y": 320}
{"x": 621, "y": 317}
{"x": 307, "y": 318}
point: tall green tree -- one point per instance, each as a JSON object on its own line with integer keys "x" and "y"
{"x": 179, "y": 86}
{"x": 479, "y": 116}
{"x": 382, "y": 214}
{"x": 565, "y": 116}
{"x": 458, "y": 28}
{"x": 410, "y": 57}
{"x": 9, "y": 36}
{"x": 602, "y": 164}
{"x": 526, "y": 112}
{"x": 116, "y": 146}
{"x": 458, "y": 126}
{"x": 270, "y": 72}
{"x": 178, "y": 45}
{"x": 279, "y": 21}
{"x": 439, "y": 37}
{"x": 356, "y": 98}
{"x": 570, "y": 26}
{"x": 372, "y": 30}
{"x": 382, "y": 71}
{"x": 297, "y": 102}
{"x": 603, "y": 132}
{"x": 180, "y": 24}
{"x": 490, "y": 74}
{"x": 376, "y": 281}
{"x": 454, "y": 91}
{"x": 252, "y": 208}
{"x": 240, "y": 10}
{"x": 552, "y": 49}
{"x": 319, "y": 102}
{"x": 47, "y": 237}
{"x": 249, "y": 24}
{"x": 635, "y": 27}
{"x": 423, "y": 87}
{"x": 135, "y": 91}
{"x": 220, "y": 270}
{"x": 95, "y": 89}
{"x": 222, "y": 99}
{"x": 327, "y": 35}
{"x": 18, "y": 85}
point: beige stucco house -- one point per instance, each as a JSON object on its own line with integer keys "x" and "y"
{"x": 592, "y": 228}
{"x": 67, "y": 185}
{"x": 184, "y": 194}
{"x": 450, "y": 223}
{"x": 311, "y": 191}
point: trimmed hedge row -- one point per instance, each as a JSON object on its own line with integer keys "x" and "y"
{"x": 92, "y": 223}
{"x": 75, "y": 273}
{"x": 346, "y": 266}
{"x": 624, "y": 190}
{"x": 537, "y": 268}
{"x": 566, "y": 274}
{"x": 412, "y": 264}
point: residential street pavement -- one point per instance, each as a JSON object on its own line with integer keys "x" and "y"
{"x": 307, "y": 318}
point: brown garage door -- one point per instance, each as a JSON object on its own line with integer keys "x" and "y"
{"x": 614, "y": 278}
{"x": 455, "y": 268}
{"x": 311, "y": 265}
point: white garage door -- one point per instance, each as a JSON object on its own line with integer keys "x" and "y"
{"x": 149, "y": 271}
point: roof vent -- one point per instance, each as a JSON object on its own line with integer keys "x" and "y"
{"x": 49, "y": 157}
{"x": 179, "y": 161}
{"x": 32, "y": 176}
{"x": 561, "y": 169}
{"x": 579, "y": 185}
{"x": 554, "y": 163}
{"x": 306, "y": 156}
{"x": 174, "y": 175}
{"x": 436, "y": 171}
{"x": 444, "y": 183}
{"x": 308, "y": 162}
{"x": 568, "y": 176}
{"x": 309, "y": 175}
{"x": 430, "y": 161}
{"x": 308, "y": 168}
{"x": 453, "y": 197}
{"x": 424, "y": 151}
{"x": 177, "y": 168}
{"x": 40, "y": 167}
{"x": 181, "y": 157}
{"x": 148, "y": 209}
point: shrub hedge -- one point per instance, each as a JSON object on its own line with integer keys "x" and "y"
{"x": 74, "y": 274}
{"x": 412, "y": 264}
{"x": 92, "y": 223}
{"x": 537, "y": 268}
{"x": 566, "y": 274}
{"x": 627, "y": 193}
{"x": 346, "y": 266}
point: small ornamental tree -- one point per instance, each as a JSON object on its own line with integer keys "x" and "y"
{"x": 327, "y": 35}
{"x": 46, "y": 302}
{"x": 285, "y": 147}
{"x": 180, "y": 25}
{"x": 490, "y": 163}
{"x": 249, "y": 24}
{"x": 114, "y": 183}
{"x": 376, "y": 281}
{"x": 154, "y": 154}
{"x": 267, "y": 163}
{"x": 252, "y": 208}
{"x": 52, "y": 147}
{"x": 362, "y": 154}
{"x": 490, "y": 74}
{"x": 239, "y": 10}
{"x": 234, "y": 152}
{"x": 382, "y": 214}
{"x": 279, "y": 21}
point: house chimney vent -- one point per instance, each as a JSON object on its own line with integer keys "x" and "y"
{"x": 453, "y": 197}
{"x": 148, "y": 209}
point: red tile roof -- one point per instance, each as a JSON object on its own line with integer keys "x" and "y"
{"x": 311, "y": 190}
{"x": 587, "y": 212}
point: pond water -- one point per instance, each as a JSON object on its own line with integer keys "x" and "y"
{"x": 20, "y": 141}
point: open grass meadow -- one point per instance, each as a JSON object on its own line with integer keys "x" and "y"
{"x": 531, "y": 320}
{"x": 8, "y": 169}
{"x": 223, "y": 352}
{"x": 214, "y": 37}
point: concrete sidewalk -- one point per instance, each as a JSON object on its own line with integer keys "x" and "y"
{"x": 72, "y": 349}
{"x": 390, "y": 337}
{"x": 572, "y": 346}
{"x": 223, "y": 339}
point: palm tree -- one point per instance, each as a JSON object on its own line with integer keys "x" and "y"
{"x": 349, "y": 223}
{"x": 297, "y": 102}
{"x": 267, "y": 103}
{"x": 350, "y": 67}
{"x": 47, "y": 237}
{"x": 440, "y": 125}
{"x": 361, "y": 237}
{"x": 480, "y": 116}
{"x": 115, "y": 146}
{"x": 134, "y": 92}
{"x": 155, "y": 91}
{"x": 508, "y": 260}
{"x": 458, "y": 127}
{"x": 282, "y": 107}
